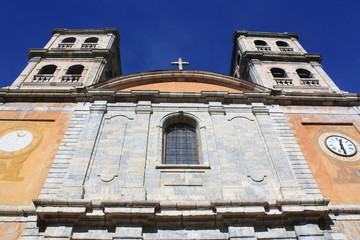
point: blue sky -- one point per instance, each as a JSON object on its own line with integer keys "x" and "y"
{"x": 156, "y": 32}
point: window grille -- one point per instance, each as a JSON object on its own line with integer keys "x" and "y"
{"x": 181, "y": 145}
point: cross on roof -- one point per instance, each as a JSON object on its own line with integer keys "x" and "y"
{"x": 180, "y": 63}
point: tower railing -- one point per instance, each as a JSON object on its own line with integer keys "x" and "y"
{"x": 286, "y": 49}
{"x": 65, "y": 45}
{"x": 283, "y": 81}
{"x": 88, "y": 45}
{"x": 310, "y": 82}
{"x": 70, "y": 78}
{"x": 43, "y": 78}
{"x": 263, "y": 48}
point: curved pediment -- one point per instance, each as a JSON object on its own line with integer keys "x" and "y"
{"x": 179, "y": 81}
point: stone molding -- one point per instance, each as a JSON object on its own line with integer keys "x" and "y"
{"x": 69, "y": 53}
{"x": 85, "y": 94}
{"x": 178, "y": 75}
{"x": 265, "y": 34}
{"x": 143, "y": 212}
{"x": 63, "y": 31}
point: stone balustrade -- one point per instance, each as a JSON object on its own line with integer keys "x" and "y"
{"x": 283, "y": 81}
{"x": 263, "y": 48}
{"x": 70, "y": 78}
{"x": 43, "y": 78}
{"x": 310, "y": 82}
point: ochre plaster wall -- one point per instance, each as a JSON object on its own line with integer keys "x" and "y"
{"x": 182, "y": 87}
{"x": 11, "y": 230}
{"x": 351, "y": 229}
{"x": 23, "y": 172}
{"x": 337, "y": 177}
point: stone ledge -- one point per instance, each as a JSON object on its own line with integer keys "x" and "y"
{"x": 91, "y": 95}
{"x": 141, "y": 212}
{"x": 181, "y": 166}
{"x": 17, "y": 210}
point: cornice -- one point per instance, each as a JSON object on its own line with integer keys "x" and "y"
{"x": 202, "y": 212}
{"x": 68, "y": 53}
{"x": 155, "y": 96}
{"x": 264, "y": 34}
{"x": 65, "y": 31}
{"x": 282, "y": 56}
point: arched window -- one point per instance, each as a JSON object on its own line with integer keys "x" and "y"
{"x": 280, "y": 77}
{"x": 278, "y": 73}
{"x": 284, "y": 46}
{"x": 307, "y": 78}
{"x": 67, "y": 42}
{"x": 90, "y": 42}
{"x": 262, "y": 45}
{"x": 45, "y": 74}
{"x": 75, "y": 69}
{"x": 48, "y": 69}
{"x": 181, "y": 141}
{"x": 303, "y": 73}
{"x": 73, "y": 74}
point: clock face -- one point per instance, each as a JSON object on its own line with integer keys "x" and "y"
{"x": 18, "y": 141}
{"x": 338, "y": 146}
{"x": 15, "y": 140}
{"x": 341, "y": 146}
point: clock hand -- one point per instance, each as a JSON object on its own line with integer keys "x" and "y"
{"x": 342, "y": 146}
{"x": 21, "y": 134}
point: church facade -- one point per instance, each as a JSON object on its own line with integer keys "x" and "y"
{"x": 270, "y": 151}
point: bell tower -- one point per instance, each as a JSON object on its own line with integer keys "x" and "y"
{"x": 72, "y": 58}
{"x": 278, "y": 61}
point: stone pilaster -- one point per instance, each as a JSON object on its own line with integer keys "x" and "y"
{"x": 74, "y": 181}
{"x": 135, "y": 153}
{"x": 20, "y": 79}
{"x": 288, "y": 184}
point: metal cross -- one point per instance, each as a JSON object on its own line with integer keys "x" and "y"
{"x": 180, "y": 63}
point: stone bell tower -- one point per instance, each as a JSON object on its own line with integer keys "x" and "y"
{"x": 278, "y": 61}
{"x": 72, "y": 58}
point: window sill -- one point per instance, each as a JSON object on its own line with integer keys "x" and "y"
{"x": 182, "y": 166}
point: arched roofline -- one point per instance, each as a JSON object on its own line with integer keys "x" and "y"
{"x": 137, "y": 79}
